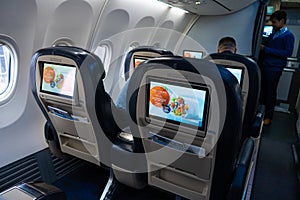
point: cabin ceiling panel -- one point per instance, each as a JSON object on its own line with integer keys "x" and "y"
{"x": 210, "y": 7}
{"x": 290, "y": 4}
{"x": 200, "y": 7}
{"x": 239, "y": 25}
{"x": 235, "y": 5}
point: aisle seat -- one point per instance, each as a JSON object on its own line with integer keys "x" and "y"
{"x": 192, "y": 160}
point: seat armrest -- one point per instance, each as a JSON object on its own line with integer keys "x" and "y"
{"x": 241, "y": 170}
{"x": 258, "y": 121}
{"x": 34, "y": 190}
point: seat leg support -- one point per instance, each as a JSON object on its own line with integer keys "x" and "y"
{"x": 110, "y": 188}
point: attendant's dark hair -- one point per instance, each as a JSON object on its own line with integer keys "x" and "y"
{"x": 279, "y": 15}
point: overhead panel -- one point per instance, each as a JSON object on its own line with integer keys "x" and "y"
{"x": 235, "y": 5}
{"x": 200, "y": 7}
{"x": 290, "y": 3}
{"x": 210, "y": 7}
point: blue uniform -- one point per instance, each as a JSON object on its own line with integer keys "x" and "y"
{"x": 280, "y": 45}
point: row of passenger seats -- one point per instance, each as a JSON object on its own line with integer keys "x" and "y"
{"x": 156, "y": 169}
{"x": 179, "y": 124}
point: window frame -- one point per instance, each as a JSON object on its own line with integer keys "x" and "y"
{"x": 64, "y": 41}
{"x": 107, "y": 54}
{"x": 12, "y": 69}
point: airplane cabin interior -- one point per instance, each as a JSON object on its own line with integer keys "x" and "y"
{"x": 129, "y": 99}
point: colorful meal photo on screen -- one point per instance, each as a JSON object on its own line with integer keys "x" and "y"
{"x": 138, "y": 60}
{"x": 177, "y": 103}
{"x": 193, "y": 54}
{"x": 58, "y": 79}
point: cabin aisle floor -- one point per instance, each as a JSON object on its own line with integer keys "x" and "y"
{"x": 85, "y": 183}
{"x": 276, "y": 176}
{"x": 148, "y": 193}
{"x": 88, "y": 182}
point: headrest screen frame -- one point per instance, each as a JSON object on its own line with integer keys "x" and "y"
{"x": 57, "y": 79}
{"x": 176, "y": 122}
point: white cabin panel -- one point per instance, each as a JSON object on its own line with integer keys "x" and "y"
{"x": 209, "y": 29}
{"x": 21, "y": 122}
{"x": 33, "y": 25}
{"x": 134, "y": 21}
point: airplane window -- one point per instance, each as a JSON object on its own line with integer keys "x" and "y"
{"x": 63, "y": 42}
{"x": 104, "y": 53}
{"x": 8, "y": 71}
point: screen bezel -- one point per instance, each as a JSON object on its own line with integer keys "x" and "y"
{"x": 236, "y": 67}
{"x": 171, "y": 124}
{"x": 193, "y": 51}
{"x": 41, "y": 68}
{"x": 135, "y": 57}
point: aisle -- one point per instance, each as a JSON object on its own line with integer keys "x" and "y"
{"x": 275, "y": 176}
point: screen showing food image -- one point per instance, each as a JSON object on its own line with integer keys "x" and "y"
{"x": 138, "y": 60}
{"x": 177, "y": 103}
{"x": 238, "y": 73}
{"x": 58, "y": 79}
{"x": 193, "y": 54}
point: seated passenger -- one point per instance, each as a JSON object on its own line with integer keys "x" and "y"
{"x": 248, "y": 75}
{"x": 227, "y": 45}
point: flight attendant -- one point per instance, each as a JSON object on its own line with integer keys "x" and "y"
{"x": 279, "y": 46}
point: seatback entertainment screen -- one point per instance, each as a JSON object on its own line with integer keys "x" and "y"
{"x": 268, "y": 29}
{"x": 58, "y": 79}
{"x": 193, "y": 54}
{"x": 237, "y": 72}
{"x": 137, "y": 60}
{"x": 177, "y": 103}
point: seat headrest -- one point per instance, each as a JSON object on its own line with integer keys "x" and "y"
{"x": 77, "y": 54}
{"x": 143, "y": 51}
{"x": 252, "y": 89}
